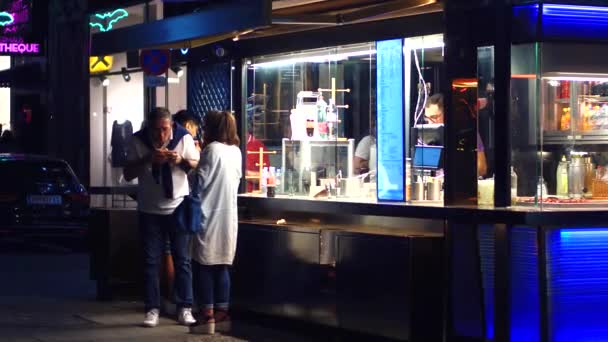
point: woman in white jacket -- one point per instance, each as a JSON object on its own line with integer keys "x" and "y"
{"x": 219, "y": 173}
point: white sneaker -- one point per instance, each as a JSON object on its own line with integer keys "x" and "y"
{"x": 185, "y": 317}
{"x": 151, "y": 318}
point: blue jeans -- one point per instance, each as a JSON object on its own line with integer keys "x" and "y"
{"x": 212, "y": 285}
{"x": 154, "y": 231}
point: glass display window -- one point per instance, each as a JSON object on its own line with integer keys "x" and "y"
{"x": 311, "y": 124}
{"x": 425, "y": 119}
{"x": 361, "y": 122}
{"x": 559, "y": 110}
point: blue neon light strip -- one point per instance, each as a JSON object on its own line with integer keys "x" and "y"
{"x": 571, "y": 21}
{"x": 389, "y": 73}
{"x": 6, "y": 18}
{"x": 577, "y": 269}
{"x": 105, "y": 21}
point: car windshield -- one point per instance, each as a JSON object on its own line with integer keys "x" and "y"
{"x": 15, "y": 174}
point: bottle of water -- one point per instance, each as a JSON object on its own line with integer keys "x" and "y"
{"x": 264, "y": 181}
{"x": 513, "y": 186}
{"x": 278, "y": 180}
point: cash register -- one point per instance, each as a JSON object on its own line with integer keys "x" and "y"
{"x": 427, "y": 160}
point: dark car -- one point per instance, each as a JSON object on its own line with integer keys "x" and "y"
{"x": 40, "y": 194}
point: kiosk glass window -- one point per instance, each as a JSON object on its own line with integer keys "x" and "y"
{"x": 559, "y": 125}
{"x": 424, "y": 118}
{"x": 311, "y": 118}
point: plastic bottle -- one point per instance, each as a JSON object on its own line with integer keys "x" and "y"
{"x": 332, "y": 119}
{"x": 270, "y": 184}
{"x": 321, "y": 117}
{"x": 338, "y": 183}
{"x": 513, "y": 186}
{"x": 278, "y": 180}
{"x": 562, "y": 177}
{"x": 264, "y": 181}
{"x": 541, "y": 188}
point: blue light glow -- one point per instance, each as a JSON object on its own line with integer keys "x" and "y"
{"x": 577, "y": 271}
{"x": 549, "y": 9}
{"x": 585, "y": 232}
{"x": 184, "y": 51}
{"x": 572, "y": 21}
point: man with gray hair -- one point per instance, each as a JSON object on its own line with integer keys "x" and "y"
{"x": 159, "y": 156}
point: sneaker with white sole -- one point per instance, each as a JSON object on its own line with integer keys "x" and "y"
{"x": 185, "y": 317}
{"x": 151, "y": 318}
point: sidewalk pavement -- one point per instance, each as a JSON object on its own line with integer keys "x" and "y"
{"x": 41, "y": 319}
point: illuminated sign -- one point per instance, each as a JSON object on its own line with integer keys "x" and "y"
{"x": 17, "y": 33}
{"x": 389, "y": 80}
{"x": 6, "y": 18}
{"x": 104, "y": 21}
{"x": 100, "y": 63}
{"x": 19, "y": 48}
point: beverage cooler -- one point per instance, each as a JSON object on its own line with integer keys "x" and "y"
{"x": 559, "y": 107}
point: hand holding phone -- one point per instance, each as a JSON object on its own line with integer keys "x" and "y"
{"x": 160, "y": 156}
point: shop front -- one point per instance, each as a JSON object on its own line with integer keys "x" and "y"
{"x": 369, "y": 204}
{"x": 436, "y": 172}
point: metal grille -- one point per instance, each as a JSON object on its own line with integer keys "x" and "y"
{"x": 208, "y": 88}
{"x": 486, "y": 253}
{"x": 525, "y": 300}
{"x": 577, "y": 272}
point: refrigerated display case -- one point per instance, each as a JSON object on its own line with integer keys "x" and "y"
{"x": 559, "y": 109}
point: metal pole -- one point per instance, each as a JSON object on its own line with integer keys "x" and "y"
{"x": 502, "y": 284}
{"x": 502, "y": 71}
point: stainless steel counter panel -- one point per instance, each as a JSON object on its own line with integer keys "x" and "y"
{"x": 361, "y": 278}
{"x": 278, "y": 271}
{"x": 390, "y": 285}
{"x": 252, "y": 207}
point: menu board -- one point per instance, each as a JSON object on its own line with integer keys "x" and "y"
{"x": 389, "y": 73}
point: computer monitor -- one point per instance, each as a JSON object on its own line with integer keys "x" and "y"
{"x": 427, "y": 157}
{"x": 428, "y": 134}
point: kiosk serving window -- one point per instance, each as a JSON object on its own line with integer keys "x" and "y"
{"x": 361, "y": 122}
{"x": 311, "y": 123}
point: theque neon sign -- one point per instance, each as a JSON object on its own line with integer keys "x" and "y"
{"x": 19, "y": 48}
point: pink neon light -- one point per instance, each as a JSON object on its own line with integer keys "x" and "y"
{"x": 19, "y": 48}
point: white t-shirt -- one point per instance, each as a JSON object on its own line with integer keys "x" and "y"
{"x": 151, "y": 198}
{"x": 366, "y": 149}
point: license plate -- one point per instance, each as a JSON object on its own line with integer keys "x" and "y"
{"x": 44, "y": 200}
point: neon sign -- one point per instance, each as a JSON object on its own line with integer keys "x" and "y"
{"x": 6, "y": 18}
{"x": 19, "y": 48}
{"x": 105, "y": 21}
